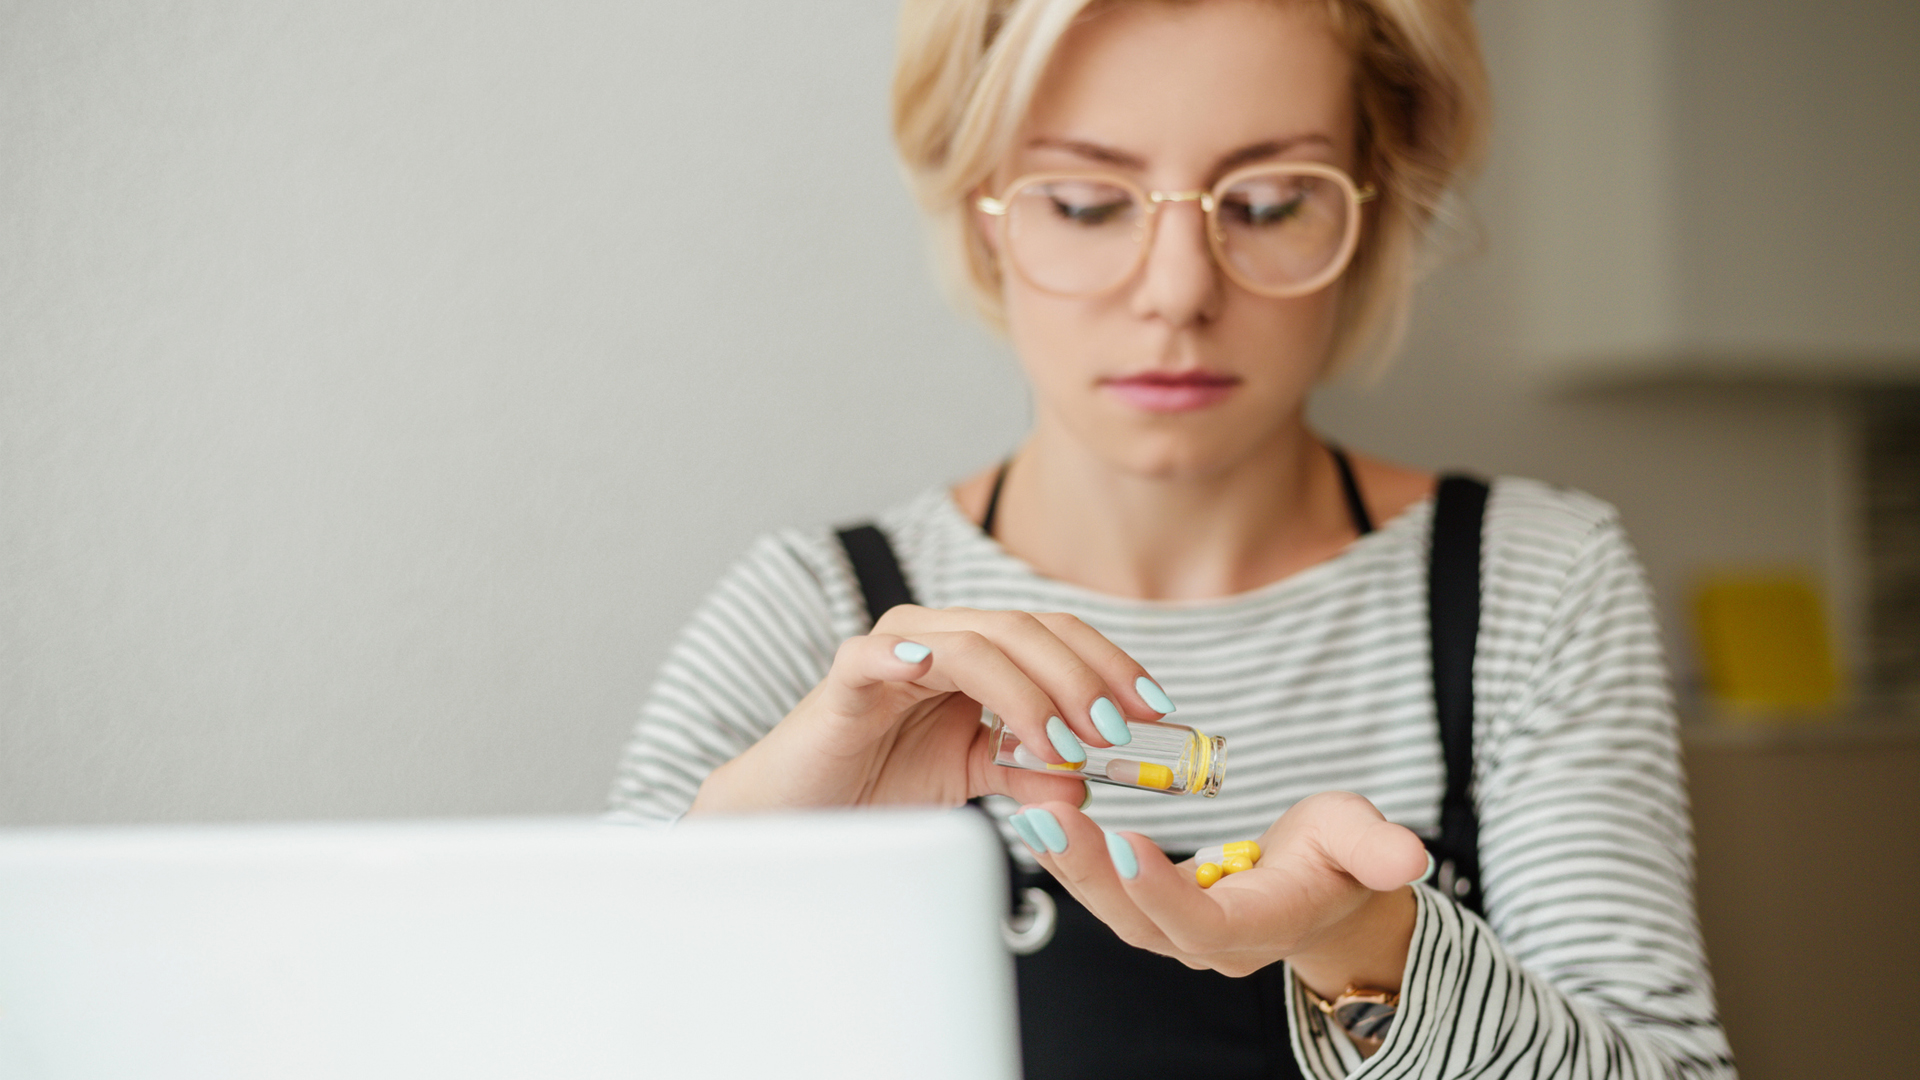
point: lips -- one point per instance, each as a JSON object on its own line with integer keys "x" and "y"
{"x": 1172, "y": 391}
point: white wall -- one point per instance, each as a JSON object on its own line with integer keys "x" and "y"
{"x": 1707, "y": 477}
{"x": 381, "y": 385}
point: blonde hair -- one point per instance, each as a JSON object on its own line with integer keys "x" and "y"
{"x": 967, "y": 70}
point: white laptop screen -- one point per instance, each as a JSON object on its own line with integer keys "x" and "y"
{"x": 830, "y": 945}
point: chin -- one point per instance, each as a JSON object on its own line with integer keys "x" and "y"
{"x": 1169, "y": 455}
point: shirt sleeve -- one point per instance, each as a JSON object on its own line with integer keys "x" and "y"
{"x": 1590, "y": 963}
{"x": 763, "y": 638}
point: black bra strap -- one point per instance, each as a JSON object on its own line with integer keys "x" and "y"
{"x": 993, "y": 500}
{"x": 1356, "y": 506}
{"x": 1453, "y": 610}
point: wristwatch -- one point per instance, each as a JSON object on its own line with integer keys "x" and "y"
{"x": 1364, "y": 1013}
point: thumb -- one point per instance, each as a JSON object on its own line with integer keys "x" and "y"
{"x": 1376, "y": 852}
{"x": 1035, "y": 787}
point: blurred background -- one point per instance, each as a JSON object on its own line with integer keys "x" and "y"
{"x": 380, "y": 387}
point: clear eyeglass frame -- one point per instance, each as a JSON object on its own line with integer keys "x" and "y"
{"x": 1210, "y": 201}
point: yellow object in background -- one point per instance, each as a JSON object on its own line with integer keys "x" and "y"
{"x": 1764, "y": 642}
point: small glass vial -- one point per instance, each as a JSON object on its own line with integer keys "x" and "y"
{"x": 1169, "y": 758}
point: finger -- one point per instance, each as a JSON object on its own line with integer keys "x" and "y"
{"x": 1137, "y": 694}
{"x": 864, "y": 666}
{"x": 970, "y": 663}
{"x": 1086, "y": 864}
{"x": 1084, "y": 701}
{"x": 1191, "y": 920}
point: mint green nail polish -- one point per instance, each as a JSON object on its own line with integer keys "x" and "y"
{"x": 911, "y": 652}
{"x": 1154, "y": 696}
{"x": 1063, "y": 740}
{"x": 1123, "y": 858}
{"x": 1113, "y": 727}
{"x": 1027, "y": 835}
{"x": 1049, "y": 829}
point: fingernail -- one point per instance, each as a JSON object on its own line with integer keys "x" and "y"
{"x": 1027, "y": 835}
{"x": 1049, "y": 830}
{"x": 1113, "y": 728}
{"x": 911, "y": 652}
{"x": 1087, "y": 799}
{"x": 1123, "y": 860}
{"x": 1154, "y": 696}
{"x": 1062, "y": 738}
{"x": 1428, "y": 876}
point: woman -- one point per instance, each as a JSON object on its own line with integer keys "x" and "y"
{"x": 1184, "y": 216}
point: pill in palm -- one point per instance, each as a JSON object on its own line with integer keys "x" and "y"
{"x": 1236, "y": 863}
{"x": 1144, "y": 774}
{"x": 1220, "y": 853}
{"x": 1207, "y": 873}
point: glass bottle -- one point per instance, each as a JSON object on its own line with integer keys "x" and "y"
{"x": 1170, "y": 758}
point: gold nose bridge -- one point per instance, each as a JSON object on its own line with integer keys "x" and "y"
{"x": 1204, "y": 198}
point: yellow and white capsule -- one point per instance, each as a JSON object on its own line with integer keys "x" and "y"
{"x": 1232, "y": 858}
{"x": 1030, "y": 760}
{"x": 1139, "y": 773}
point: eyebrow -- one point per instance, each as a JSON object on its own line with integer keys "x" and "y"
{"x": 1109, "y": 155}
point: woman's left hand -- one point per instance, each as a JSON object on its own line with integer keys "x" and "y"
{"x": 1330, "y": 893}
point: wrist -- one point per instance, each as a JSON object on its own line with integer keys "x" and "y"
{"x": 1367, "y": 949}
{"x": 770, "y": 775}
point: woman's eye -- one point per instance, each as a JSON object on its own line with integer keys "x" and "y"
{"x": 1266, "y": 212}
{"x": 1086, "y": 203}
{"x": 1089, "y": 213}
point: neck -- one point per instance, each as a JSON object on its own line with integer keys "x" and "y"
{"x": 1173, "y": 535}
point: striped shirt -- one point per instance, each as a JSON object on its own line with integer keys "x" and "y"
{"x": 1589, "y": 962}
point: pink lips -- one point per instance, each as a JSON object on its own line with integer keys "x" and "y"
{"x": 1172, "y": 391}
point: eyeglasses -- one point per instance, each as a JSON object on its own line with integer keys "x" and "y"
{"x": 1277, "y": 230}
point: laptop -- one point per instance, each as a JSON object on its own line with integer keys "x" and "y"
{"x": 820, "y": 945}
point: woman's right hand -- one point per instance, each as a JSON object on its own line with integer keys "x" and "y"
{"x": 897, "y": 719}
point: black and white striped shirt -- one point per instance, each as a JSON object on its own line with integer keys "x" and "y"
{"x": 1589, "y": 962}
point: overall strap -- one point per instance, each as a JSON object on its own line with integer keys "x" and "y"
{"x": 1453, "y": 609}
{"x": 884, "y": 587}
{"x": 877, "y": 569}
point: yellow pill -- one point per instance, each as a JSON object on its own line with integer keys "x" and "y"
{"x": 1249, "y": 848}
{"x": 1236, "y": 863}
{"x": 1220, "y": 853}
{"x": 1139, "y": 773}
{"x": 1069, "y": 766}
{"x": 1206, "y": 874}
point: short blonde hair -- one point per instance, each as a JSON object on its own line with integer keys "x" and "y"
{"x": 967, "y": 70}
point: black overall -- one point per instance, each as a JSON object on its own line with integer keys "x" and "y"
{"x": 1093, "y": 1006}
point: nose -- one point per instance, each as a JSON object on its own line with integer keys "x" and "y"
{"x": 1180, "y": 282}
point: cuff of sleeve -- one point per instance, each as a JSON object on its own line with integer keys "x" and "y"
{"x": 1429, "y": 996}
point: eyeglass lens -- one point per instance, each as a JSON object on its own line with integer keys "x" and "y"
{"x": 1078, "y": 236}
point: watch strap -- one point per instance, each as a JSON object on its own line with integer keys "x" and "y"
{"x": 1364, "y": 1013}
